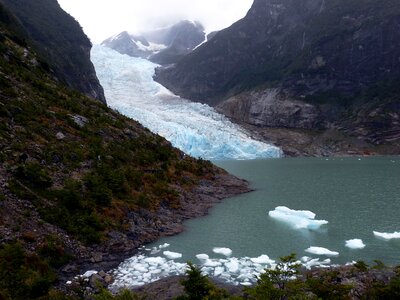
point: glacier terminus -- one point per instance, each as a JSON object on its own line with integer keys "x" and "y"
{"x": 195, "y": 128}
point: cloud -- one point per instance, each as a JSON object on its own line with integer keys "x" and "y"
{"x": 103, "y": 18}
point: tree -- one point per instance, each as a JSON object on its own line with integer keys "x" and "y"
{"x": 280, "y": 282}
{"x": 198, "y": 287}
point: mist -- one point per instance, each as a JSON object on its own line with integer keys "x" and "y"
{"x": 101, "y": 19}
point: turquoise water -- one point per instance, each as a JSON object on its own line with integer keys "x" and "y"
{"x": 357, "y": 197}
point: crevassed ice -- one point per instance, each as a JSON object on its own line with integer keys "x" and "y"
{"x": 299, "y": 219}
{"x": 195, "y": 128}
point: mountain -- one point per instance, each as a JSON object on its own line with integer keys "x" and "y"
{"x": 163, "y": 46}
{"x": 81, "y": 186}
{"x": 59, "y": 40}
{"x": 135, "y": 46}
{"x": 315, "y": 66}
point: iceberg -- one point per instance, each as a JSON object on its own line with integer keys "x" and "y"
{"x": 223, "y": 251}
{"x": 387, "y": 236}
{"x": 321, "y": 251}
{"x": 355, "y": 244}
{"x": 299, "y": 219}
{"x": 172, "y": 255}
{"x": 195, "y": 128}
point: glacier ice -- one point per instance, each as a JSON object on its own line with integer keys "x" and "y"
{"x": 387, "y": 236}
{"x": 299, "y": 219}
{"x": 195, "y": 128}
{"x": 321, "y": 251}
{"x": 355, "y": 244}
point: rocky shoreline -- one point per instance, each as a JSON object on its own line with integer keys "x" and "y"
{"x": 147, "y": 227}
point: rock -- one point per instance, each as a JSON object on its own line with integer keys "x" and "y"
{"x": 60, "y": 136}
{"x": 79, "y": 120}
{"x": 95, "y": 280}
{"x": 70, "y": 269}
{"x": 97, "y": 257}
{"x": 102, "y": 274}
{"x": 108, "y": 279}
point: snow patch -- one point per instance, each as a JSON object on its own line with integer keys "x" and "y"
{"x": 299, "y": 219}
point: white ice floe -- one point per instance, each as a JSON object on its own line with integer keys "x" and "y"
{"x": 299, "y": 219}
{"x": 222, "y": 251}
{"x": 355, "y": 244}
{"x": 263, "y": 259}
{"x": 172, "y": 255}
{"x": 195, "y": 128}
{"x": 321, "y": 251}
{"x": 142, "y": 269}
{"x": 387, "y": 236}
{"x": 202, "y": 256}
{"x": 163, "y": 246}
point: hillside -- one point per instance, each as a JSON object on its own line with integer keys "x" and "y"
{"x": 79, "y": 183}
{"x": 59, "y": 41}
{"x": 322, "y": 74}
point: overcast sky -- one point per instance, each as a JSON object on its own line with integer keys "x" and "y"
{"x": 101, "y": 19}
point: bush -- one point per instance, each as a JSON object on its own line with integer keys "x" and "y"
{"x": 34, "y": 175}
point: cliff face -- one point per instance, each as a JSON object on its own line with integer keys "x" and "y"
{"x": 60, "y": 41}
{"x": 302, "y": 64}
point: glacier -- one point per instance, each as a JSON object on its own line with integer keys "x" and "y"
{"x": 195, "y": 128}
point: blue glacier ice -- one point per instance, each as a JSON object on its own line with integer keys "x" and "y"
{"x": 195, "y": 128}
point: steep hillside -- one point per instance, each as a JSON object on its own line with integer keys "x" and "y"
{"x": 304, "y": 65}
{"x": 79, "y": 183}
{"x": 58, "y": 39}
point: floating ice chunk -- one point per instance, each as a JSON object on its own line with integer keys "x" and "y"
{"x": 263, "y": 259}
{"x": 172, "y": 255}
{"x": 321, "y": 251}
{"x": 299, "y": 219}
{"x": 233, "y": 266}
{"x": 163, "y": 246}
{"x": 355, "y": 244}
{"x": 223, "y": 251}
{"x": 155, "y": 260}
{"x": 202, "y": 256}
{"x": 89, "y": 273}
{"x": 211, "y": 263}
{"x": 387, "y": 236}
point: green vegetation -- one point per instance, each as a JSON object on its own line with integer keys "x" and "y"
{"x": 197, "y": 286}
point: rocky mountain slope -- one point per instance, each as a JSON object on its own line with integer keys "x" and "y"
{"x": 59, "y": 41}
{"x": 79, "y": 183}
{"x": 325, "y": 69}
{"x": 163, "y": 46}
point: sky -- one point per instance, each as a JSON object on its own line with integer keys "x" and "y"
{"x": 101, "y": 19}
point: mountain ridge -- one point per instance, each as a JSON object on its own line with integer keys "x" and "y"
{"x": 288, "y": 64}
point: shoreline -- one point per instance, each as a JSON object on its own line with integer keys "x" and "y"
{"x": 154, "y": 225}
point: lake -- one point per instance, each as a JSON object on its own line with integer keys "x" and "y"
{"x": 356, "y": 196}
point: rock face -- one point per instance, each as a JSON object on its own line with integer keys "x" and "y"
{"x": 61, "y": 43}
{"x": 163, "y": 46}
{"x": 302, "y": 64}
